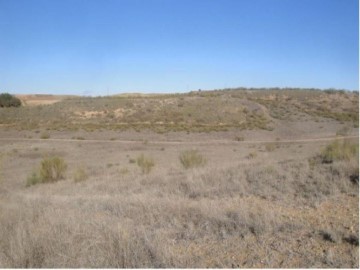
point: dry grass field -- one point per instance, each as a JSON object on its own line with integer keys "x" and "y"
{"x": 238, "y": 178}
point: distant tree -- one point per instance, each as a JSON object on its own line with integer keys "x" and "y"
{"x": 7, "y": 100}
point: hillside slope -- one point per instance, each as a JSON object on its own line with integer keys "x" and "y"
{"x": 203, "y": 111}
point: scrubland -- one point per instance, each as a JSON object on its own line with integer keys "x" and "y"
{"x": 207, "y": 179}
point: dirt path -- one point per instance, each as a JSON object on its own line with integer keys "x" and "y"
{"x": 182, "y": 142}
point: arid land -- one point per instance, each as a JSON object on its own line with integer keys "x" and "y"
{"x": 270, "y": 180}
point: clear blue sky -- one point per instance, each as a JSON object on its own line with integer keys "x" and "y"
{"x": 100, "y": 46}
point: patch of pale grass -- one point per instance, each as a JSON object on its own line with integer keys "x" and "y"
{"x": 45, "y": 135}
{"x": 175, "y": 219}
{"x": 270, "y": 147}
{"x": 145, "y": 163}
{"x": 340, "y": 150}
{"x": 51, "y": 169}
{"x": 192, "y": 159}
{"x": 80, "y": 175}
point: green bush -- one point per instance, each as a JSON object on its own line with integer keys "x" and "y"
{"x": 191, "y": 159}
{"x": 145, "y": 163}
{"x": 7, "y": 100}
{"x": 338, "y": 150}
{"x": 52, "y": 169}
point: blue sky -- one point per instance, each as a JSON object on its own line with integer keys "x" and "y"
{"x": 95, "y": 47}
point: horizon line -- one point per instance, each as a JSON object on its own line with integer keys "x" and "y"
{"x": 187, "y": 91}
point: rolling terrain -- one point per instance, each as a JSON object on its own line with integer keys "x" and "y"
{"x": 235, "y": 178}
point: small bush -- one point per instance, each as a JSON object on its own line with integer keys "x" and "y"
{"x": 78, "y": 138}
{"x": 343, "y": 131}
{"x": 331, "y": 236}
{"x": 131, "y": 160}
{"x": 145, "y": 163}
{"x": 270, "y": 147}
{"x": 80, "y": 175}
{"x": 7, "y": 100}
{"x": 239, "y": 138}
{"x": 45, "y": 135}
{"x": 312, "y": 162}
{"x": 252, "y": 155}
{"x": 123, "y": 171}
{"x": 33, "y": 179}
{"x": 52, "y": 169}
{"x": 339, "y": 151}
{"x": 191, "y": 159}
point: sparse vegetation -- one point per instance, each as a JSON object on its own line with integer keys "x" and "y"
{"x": 340, "y": 150}
{"x": 45, "y": 135}
{"x": 191, "y": 159}
{"x": 1, "y": 160}
{"x": 343, "y": 131}
{"x": 52, "y": 169}
{"x": 33, "y": 179}
{"x": 78, "y": 138}
{"x": 231, "y": 202}
{"x": 80, "y": 175}
{"x": 218, "y": 216}
{"x": 145, "y": 163}
{"x": 239, "y": 138}
{"x": 124, "y": 171}
{"x": 197, "y": 113}
{"x": 252, "y": 155}
{"x": 270, "y": 147}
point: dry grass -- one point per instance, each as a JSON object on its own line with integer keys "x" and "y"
{"x": 80, "y": 175}
{"x": 270, "y": 147}
{"x": 340, "y": 150}
{"x": 239, "y": 138}
{"x": 52, "y": 169}
{"x": 252, "y": 155}
{"x": 248, "y": 208}
{"x": 192, "y": 159}
{"x": 145, "y": 163}
{"x": 197, "y": 218}
{"x": 45, "y": 135}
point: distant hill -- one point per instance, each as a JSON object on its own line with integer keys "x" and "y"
{"x": 199, "y": 111}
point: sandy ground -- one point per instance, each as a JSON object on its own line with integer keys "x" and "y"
{"x": 35, "y": 100}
